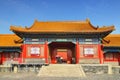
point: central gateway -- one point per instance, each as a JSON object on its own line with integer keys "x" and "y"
{"x": 62, "y": 52}
{"x": 62, "y": 42}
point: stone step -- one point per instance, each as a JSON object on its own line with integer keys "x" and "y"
{"x": 62, "y": 70}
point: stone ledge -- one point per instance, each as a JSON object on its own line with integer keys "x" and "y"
{"x": 95, "y": 68}
{"x": 116, "y": 69}
{"x": 89, "y": 61}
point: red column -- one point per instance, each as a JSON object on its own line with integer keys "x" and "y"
{"x": 0, "y": 58}
{"x": 23, "y": 53}
{"x": 46, "y": 52}
{"x": 77, "y": 52}
{"x": 3, "y": 57}
{"x": 101, "y": 57}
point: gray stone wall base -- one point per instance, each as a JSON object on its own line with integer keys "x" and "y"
{"x": 116, "y": 69}
{"x": 112, "y": 63}
{"x": 89, "y": 61}
{"x": 96, "y": 68}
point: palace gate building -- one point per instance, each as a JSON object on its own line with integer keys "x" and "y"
{"x": 57, "y": 42}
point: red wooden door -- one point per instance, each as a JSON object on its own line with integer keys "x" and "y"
{"x": 63, "y": 54}
{"x": 66, "y": 55}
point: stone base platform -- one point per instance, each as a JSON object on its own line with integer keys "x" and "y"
{"x": 62, "y": 70}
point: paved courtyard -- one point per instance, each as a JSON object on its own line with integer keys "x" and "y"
{"x": 33, "y": 76}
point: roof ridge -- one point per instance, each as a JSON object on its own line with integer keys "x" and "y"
{"x": 87, "y": 20}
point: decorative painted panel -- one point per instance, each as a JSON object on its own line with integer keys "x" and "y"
{"x": 88, "y": 41}
{"x": 62, "y": 40}
{"x": 35, "y": 50}
{"x": 88, "y": 50}
{"x": 34, "y": 40}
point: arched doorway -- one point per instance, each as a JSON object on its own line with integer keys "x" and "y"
{"x": 62, "y": 52}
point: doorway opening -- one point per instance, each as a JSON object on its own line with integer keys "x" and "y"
{"x": 62, "y": 53}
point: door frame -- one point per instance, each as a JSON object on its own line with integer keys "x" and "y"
{"x": 53, "y": 46}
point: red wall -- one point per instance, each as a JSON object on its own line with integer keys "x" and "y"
{"x": 94, "y": 49}
{"x": 0, "y": 58}
{"x": 112, "y": 57}
{"x": 27, "y": 51}
{"x": 10, "y": 56}
{"x": 93, "y": 53}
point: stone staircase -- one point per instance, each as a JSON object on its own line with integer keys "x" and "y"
{"x": 62, "y": 70}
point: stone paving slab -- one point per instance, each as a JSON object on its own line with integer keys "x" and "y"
{"x": 33, "y": 76}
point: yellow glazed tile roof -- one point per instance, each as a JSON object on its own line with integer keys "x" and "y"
{"x": 61, "y": 26}
{"x": 112, "y": 40}
{"x": 9, "y": 40}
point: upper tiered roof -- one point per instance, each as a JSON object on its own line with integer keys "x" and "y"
{"x": 62, "y": 26}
